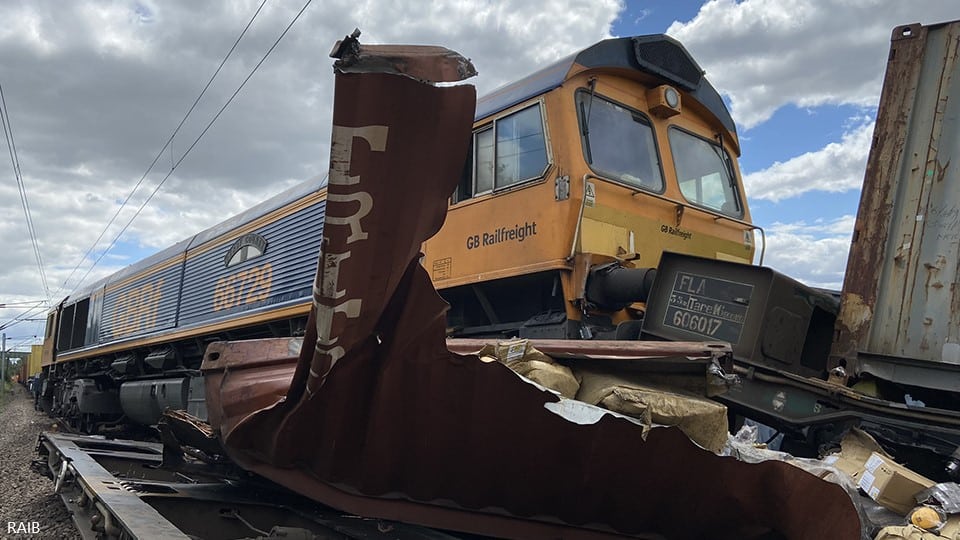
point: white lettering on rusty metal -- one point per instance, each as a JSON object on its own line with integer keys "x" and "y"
{"x": 341, "y": 153}
{"x": 350, "y": 308}
{"x": 331, "y": 275}
{"x": 341, "y": 150}
{"x": 366, "y": 204}
{"x": 328, "y": 352}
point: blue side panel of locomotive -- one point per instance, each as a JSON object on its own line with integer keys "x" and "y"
{"x": 142, "y": 301}
{"x": 283, "y": 274}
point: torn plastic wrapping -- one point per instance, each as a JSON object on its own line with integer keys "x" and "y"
{"x": 907, "y": 532}
{"x": 945, "y": 495}
{"x": 702, "y": 420}
{"x": 634, "y": 395}
{"x": 950, "y": 530}
{"x": 745, "y": 447}
{"x": 703, "y": 424}
{"x": 524, "y": 359}
{"x": 937, "y": 517}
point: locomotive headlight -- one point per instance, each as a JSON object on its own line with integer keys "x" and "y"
{"x": 664, "y": 101}
{"x": 672, "y": 98}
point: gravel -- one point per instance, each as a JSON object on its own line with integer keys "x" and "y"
{"x": 26, "y": 497}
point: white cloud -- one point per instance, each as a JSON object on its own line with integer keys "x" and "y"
{"x": 115, "y": 34}
{"x": 837, "y": 167}
{"x": 764, "y": 54}
{"x": 641, "y": 15}
{"x": 815, "y": 254}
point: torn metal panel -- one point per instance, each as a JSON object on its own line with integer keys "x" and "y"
{"x": 272, "y": 358}
{"x": 658, "y": 361}
{"x": 422, "y": 62}
{"x": 382, "y": 420}
{"x": 183, "y": 433}
{"x": 696, "y": 352}
{"x": 446, "y": 439}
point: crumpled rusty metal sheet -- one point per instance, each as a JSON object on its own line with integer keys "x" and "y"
{"x": 380, "y": 419}
{"x": 423, "y": 62}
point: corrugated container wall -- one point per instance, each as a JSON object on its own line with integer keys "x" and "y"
{"x": 900, "y": 310}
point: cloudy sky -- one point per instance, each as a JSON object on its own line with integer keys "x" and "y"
{"x": 94, "y": 90}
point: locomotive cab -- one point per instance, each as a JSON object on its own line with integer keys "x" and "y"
{"x": 48, "y": 352}
{"x": 580, "y": 176}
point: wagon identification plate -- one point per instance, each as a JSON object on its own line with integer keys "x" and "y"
{"x": 709, "y": 307}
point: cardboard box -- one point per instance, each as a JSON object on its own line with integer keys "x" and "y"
{"x": 893, "y": 486}
{"x": 856, "y": 448}
{"x": 853, "y": 468}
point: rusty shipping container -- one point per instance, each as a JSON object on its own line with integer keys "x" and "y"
{"x": 900, "y": 312}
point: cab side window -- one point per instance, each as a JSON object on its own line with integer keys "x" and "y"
{"x": 510, "y": 151}
{"x": 521, "y": 152}
{"x": 484, "y": 162}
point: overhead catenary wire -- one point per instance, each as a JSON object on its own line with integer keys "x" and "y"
{"x": 23, "y": 316}
{"x": 18, "y": 304}
{"x": 197, "y": 140}
{"x": 167, "y": 144}
{"x": 20, "y": 341}
{"x": 15, "y": 161}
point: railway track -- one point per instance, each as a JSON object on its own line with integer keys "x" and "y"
{"x": 140, "y": 498}
{"x": 124, "y": 489}
{"x": 128, "y": 489}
